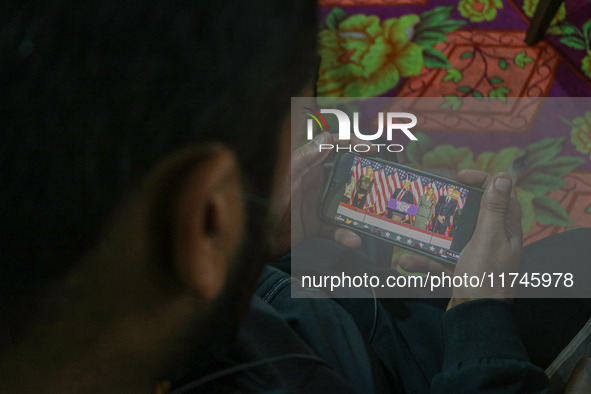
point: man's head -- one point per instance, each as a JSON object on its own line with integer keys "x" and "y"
{"x": 144, "y": 133}
{"x": 406, "y": 185}
{"x": 451, "y": 191}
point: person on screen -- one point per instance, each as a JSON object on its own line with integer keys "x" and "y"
{"x": 349, "y": 189}
{"x": 426, "y": 209}
{"x": 403, "y": 194}
{"x": 444, "y": 210}
{"x": 455, "y": 222}
{"x": 364, "y": 186}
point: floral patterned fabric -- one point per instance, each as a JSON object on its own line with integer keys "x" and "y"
{"x": 475, "y": 48}
{"x": 478, "y": 11}
{"x": 364, "y": 57}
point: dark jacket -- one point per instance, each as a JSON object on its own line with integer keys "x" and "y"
{"x": 361, "y": 193}
{"x": 320, "y": 345}
{"x": 445, "y": 210}
{"x": 407, "y": 197}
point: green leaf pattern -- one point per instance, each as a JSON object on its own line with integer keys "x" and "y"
{"x": 488, "y": 85}
{"x": 521, "y": 59}
{"x": 453, "y": 74}
{"x": 579, "y": 39}
{"x": 431, "y": 30}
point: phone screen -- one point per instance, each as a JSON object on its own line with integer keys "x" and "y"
{"x": 410, "y": 208}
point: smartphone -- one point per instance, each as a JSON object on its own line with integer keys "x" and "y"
{"x": 415, "y": 210}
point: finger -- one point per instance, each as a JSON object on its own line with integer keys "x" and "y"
{"x": 418, "y": 263}
{"x": 513, "y": 221}
{"x": 341, "y": 235}
{"x": 474, "y": 178}
{"x": 347, "y": 238}
{"x": 494, "y": 207}
{"x": 309, "y": 155}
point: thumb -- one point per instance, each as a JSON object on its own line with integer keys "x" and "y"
{"x": 494, "y": 206}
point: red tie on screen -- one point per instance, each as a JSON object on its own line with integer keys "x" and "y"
{"x": 447, "y": 200}
{"x": 401, "y": 194}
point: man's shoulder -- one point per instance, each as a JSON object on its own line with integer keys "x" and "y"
{"x": 275, "y": 356}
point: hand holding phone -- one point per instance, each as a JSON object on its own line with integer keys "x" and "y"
{"x": 300, "y": 200}
{"x": 496, "y": 245}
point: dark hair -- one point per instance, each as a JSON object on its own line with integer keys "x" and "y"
{"x": 97, "y": 91}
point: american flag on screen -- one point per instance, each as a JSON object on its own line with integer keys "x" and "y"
{"x": 387, "y": 179}
{"x": 462, "y": 199}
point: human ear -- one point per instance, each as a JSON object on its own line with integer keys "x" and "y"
{"x": 208, "y": 222}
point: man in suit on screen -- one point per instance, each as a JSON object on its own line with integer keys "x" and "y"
{"x": 444, "y": 210}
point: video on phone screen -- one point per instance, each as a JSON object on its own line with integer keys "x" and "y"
{"x": 402, "y": 206}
